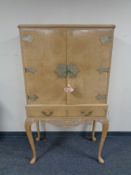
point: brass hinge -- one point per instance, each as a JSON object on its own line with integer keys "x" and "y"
{"x": 103, "y": 69}
{"x": 101, "y": 97}
{"x": 32, "y": 98}
{"x": 61, "y": 70}
{"x": 105, "y": 39}
{"x": 27, "y": 38}
{"x": 72, "y": 70}
{"x": 30, "y": 69}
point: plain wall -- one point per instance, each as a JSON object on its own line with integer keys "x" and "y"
{"x": 14, "y": 12}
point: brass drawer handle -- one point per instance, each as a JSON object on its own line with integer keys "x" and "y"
{"x": 86, "y": 114}
{"x": 47, "y": 114}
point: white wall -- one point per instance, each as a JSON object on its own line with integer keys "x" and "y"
{"x": 14, "y": 12}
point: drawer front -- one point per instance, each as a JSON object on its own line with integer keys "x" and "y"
{"x": 88, "y": 111}
{"x": 44, "y": 111}
{"x": 66, "y": 111}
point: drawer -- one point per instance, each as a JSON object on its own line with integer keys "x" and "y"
{"x": 87, "y": 111}
{"x": 46, "y": 111}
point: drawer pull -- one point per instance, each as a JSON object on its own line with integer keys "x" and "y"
{"x": 86, "y": 114}
{"x": 47, "y": 114}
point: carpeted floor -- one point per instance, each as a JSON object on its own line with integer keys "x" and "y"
{"x": 65, "y": 155}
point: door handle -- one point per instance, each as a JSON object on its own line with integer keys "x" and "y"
{"x": 68, "y": 89}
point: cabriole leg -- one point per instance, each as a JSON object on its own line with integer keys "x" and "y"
{"x": 105, "y": 125}
{"x": 44, "y": 132}
{"x": 38, "y": 131}
{"x": 93, "y": 131}
{"x": 28, "y": 123}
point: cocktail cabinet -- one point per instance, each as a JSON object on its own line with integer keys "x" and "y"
{"x": 66, "y": 72}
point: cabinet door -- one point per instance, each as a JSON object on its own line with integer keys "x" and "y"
{"x": 89, "y": 54}
{"x": 43, "y": 50}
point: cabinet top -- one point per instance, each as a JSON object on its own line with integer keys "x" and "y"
{"x": 66, "y": 26}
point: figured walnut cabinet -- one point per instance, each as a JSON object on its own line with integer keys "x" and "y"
{"x": 66, "y": 69}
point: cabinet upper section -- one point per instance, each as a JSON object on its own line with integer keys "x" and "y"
{"x": 66, "y": 64}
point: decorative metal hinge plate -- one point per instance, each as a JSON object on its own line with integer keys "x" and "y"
{"x": 105, "y": 39}
{"x": 72, "y": 70}
{"x": 103, "y": 69}
{"x": 32, "y": 98}
{"x": 27, "y": 38}
{"x": 30, "y": 69}
{"x": 64, "y": 70}
{"x": 61, "y": 70}
{"x": 101, "y": 97}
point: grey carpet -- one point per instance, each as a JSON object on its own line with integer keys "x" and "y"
{"x": 65, "y": 155}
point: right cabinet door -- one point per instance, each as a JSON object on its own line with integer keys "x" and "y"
{"x": 88, "y": 59}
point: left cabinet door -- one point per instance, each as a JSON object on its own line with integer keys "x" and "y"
{"x": 43, "y": 52}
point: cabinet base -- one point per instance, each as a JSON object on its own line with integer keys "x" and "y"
{"x": 103, "y": 121}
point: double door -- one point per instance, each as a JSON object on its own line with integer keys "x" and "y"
{"x": 66, "y": 65}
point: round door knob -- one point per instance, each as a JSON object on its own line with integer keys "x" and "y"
{"x": 68, "y": 89}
